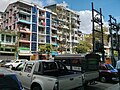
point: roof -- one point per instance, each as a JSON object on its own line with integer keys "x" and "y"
{"x": 41, "y": 61}
{"x": 70, "y": 56}
{"x": 5, "y": 71}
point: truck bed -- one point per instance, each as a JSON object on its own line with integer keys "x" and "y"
{"x": 57, "y": 73}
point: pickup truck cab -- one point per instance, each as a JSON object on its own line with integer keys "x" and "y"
{"x": 48, "y": 75}
{"x": 87, "y": 64}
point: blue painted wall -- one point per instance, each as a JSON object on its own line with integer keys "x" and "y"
{"x": 34, "y": 29}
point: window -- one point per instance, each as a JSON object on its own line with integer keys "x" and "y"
{"x": 48, "y": 30}
{"x": 8, "y": 38}
{"x": 2, "y": 38}
{"x": 28, "y": 68}
{"x": 48, "y": 14}
{"x": 14, "y": 39}
{"x": 48, "y": 22}
{"x": 49, "y": 66}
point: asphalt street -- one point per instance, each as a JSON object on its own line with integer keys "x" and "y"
{"x": 102, "y": 86}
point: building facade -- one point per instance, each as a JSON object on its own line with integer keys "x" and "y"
{"x": 35, "y": 26}
{"x": 68, "y": 27}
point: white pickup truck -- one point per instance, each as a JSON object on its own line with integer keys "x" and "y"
{"x": 48, "y": 75}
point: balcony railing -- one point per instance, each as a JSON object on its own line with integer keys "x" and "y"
{"x": 26, "y": 39}
{"x": 43, "y": 41}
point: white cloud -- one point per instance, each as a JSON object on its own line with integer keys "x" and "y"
{"x": 86, "y": 24}
{"x": 50, "y": 2}
{"x": 4, "y": 4}
{"x": 64, "y": 4}
{"x": 38, "y": 2}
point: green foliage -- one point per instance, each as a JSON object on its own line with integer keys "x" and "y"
{"x": 45, "y": 48}
{"x": 42, "y": 48}
{"x": 48, "y": 48}
{"x": 83, "y": 47}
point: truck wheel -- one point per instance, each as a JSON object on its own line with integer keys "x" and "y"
{"x": 36, "y": 88}
{"x": 103, "y": 79}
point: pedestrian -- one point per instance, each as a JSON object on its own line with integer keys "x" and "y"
{"x": 118, "y": 68}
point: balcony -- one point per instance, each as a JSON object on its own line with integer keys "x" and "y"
{"x": 74, "y": 17}
{"x": 42, "y": 17}
{"x": 24, "y": 12}
{"x": 24, "y": 49}
{"x": 24, "y": 40}
{"x": 41, "y": 41}
{"x": 54, "y": 35}
{"x": 24, "y": 30}
{"x": 65, "y": 27}
{"x": 54, "y": 43}
{"x": 59, "y": 32}
{"x": 42, "y": 23}
{"x": 75, "y": 41}
{"x": 42, "y": 32}
{"x": 24, "y": 19}
{"x": 8, "y": 43}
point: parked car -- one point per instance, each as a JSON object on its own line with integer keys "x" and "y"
{"x": 107, "y": 73}
{"x": 9, "y": 81}
{"x": 3, "y": 62}
{"x": 15, "y": 63}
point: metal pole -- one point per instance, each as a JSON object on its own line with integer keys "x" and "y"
{"x": 93, "y": 36}
{"x": 118, "y": 46}
{"x": 111, "y": 37}
{"x": 103, "y": 53}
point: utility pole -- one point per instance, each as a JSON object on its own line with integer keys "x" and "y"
{"x": 114, "y": 37}
{"x": 98, "y": 39}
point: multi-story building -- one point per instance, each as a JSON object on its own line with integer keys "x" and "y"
{"x": 7, "y": 44}
{"x": 34, "y": 26}
{"x": 0, "y": 18}
{"x": 68, "y": 27}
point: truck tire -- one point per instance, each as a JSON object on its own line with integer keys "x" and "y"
{"x": 36, "y": 87}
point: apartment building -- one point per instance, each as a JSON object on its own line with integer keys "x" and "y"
{"x": 34, "y": 26}
{"x": 68, "y": 27}
{"x": 0, "y": 18}
{"x": 7, "y": 44}
{"x": 27, "y": 26}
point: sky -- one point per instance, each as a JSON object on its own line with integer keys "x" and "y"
{"x": 109, "y": 7}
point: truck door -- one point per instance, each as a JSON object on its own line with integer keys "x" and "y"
{"x": 27, "y": 75}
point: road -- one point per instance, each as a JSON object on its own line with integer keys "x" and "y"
{"x": 102, "y": 86}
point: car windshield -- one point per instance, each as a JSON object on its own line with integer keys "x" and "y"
{"x": 110, "y": 67}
